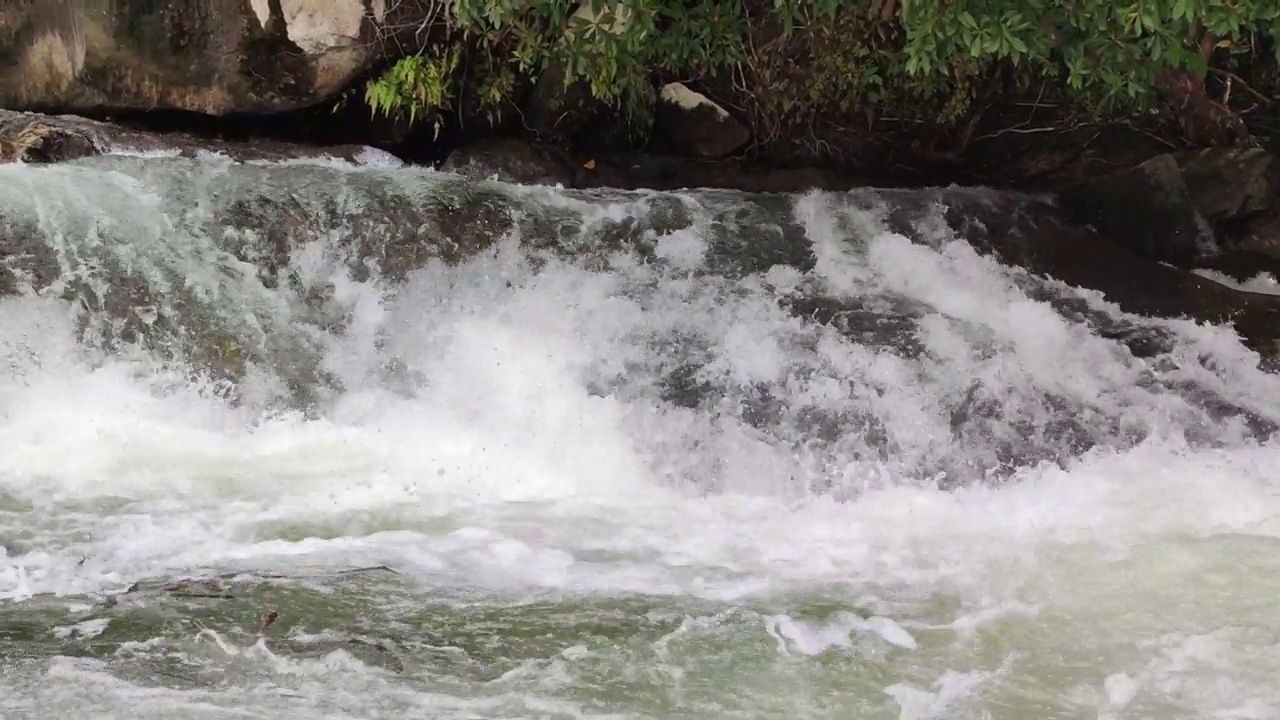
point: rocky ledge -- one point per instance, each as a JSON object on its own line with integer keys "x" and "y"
{"x": 1144, "y": 236}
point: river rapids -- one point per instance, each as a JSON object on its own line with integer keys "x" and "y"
{"x": 361, "y": 441}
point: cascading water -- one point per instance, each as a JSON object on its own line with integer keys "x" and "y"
{"x": 309, "y": 440}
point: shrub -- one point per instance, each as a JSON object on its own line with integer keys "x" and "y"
{"x": 923, "y": 60}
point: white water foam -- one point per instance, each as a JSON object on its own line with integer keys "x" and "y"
{"x": 1141, "y": 570}
{"x": 1263, "y": 282}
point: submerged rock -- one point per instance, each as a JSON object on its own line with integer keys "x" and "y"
{"x": 26, "y": 260}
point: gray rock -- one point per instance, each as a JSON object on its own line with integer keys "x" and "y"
{"x": 1228, "y": 183}
{"x": 210, "y": 56}
{"x": 1146, "y": 209}
{"x": 697, "y": 124}
{"x": 37, "y": 138}
{"x": 510, "y": 160}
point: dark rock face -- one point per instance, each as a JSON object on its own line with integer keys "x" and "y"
{"x": 210, "y": 56}
{"x": 1229, "y": 184}
{"x": 553, "y": 111}
{"x": 1047, "y": 243}
{"x": 1188, "y": 209}
{"x": 1146, "y": 209}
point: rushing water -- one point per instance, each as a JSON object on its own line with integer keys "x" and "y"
{"x": 632, "y": 456}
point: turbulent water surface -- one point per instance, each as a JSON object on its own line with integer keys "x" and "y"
{"x": 573, "y": 455}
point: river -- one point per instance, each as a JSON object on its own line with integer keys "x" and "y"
{"x": 604, "y": 464}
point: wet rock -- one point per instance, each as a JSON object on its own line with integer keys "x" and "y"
{"x": 35, "y": 137}
{"x": 210, "y": 56}
{"x": 1228, "y": 183}
{"x": 399, "y": 232}
{"x": 26, "y": 261}
{"x": 887, "y": 328}
{"x": 1243, "y": 265}
{"x": 665, "y": 172}
{"x": 1263, "y": 235}
{"x": 1034, "y": 234}
{"x": 39, "y": 138}
{"x": 697, "y": 124}
{"x": 1147, "y": 209}
{"x": 510, "y": 160}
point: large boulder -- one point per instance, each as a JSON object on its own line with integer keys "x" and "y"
{"x": 209, "y": 56}
{"x": 1238, "y": 191}
{"x": 36, "y": 138}
{"x": 1228, "y": 184}
{"x": 32, "y": 138}
{"x": 1148, "y": 209}
{"x": 1263, "y": 235}
{"x": 698, "y": 125}
{"x": 1186, "y": 208}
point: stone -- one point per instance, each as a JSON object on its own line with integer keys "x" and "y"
{"x": 1242, "y": 265}
{"x": 1263, "y": 235}
{"x": 32, "y": 139}
{"x": 697, "y": 124}
{"x": 1147, "y": 209}
{"x": 36, "y": 138}
{"x": 510, "y": 160}
{"x": 1036, "y": 235}
{"x": 25, "y": 260}
{"x": 210, "y": 56}
{"x": 1228, "y": 183}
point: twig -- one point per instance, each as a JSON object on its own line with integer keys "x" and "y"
{"x": 1149, "y": 134}
{"x": 1019, "y": 130}
{"x": 1234, "y": 79}
{"x": 1036, "y": 105}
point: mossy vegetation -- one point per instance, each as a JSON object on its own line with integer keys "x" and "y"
{"x": 1202, "y": 65}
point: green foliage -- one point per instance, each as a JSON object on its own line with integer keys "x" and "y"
{"x": 924, "y": 60}
{"x": 1108, "y": 51}
{"x": 413, "y": 85}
